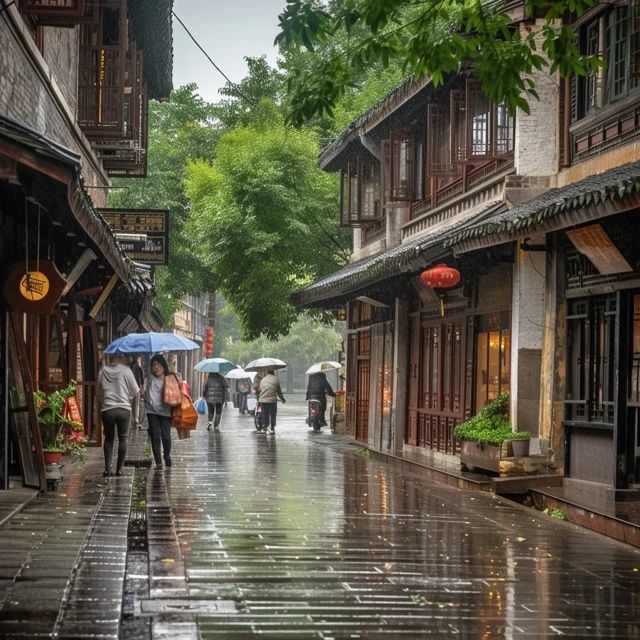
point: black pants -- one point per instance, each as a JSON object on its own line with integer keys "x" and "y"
{"x": 269, "y": 411}
{"x": 215, "y": 412}
{"x": 115, "y": 420}
{"x": 160, "y": 432}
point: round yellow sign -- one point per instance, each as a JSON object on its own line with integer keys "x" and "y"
{"x": 34, "y": 286}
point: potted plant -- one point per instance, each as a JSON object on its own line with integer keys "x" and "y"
{"x": 59, "y": 433}
{"x": 482, "y": 436}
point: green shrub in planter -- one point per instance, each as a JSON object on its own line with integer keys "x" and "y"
{"x": 490, "y": 425}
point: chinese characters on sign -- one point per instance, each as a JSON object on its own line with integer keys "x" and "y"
{"x": 143, "y": 234}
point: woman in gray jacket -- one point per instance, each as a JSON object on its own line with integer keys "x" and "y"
{"x": 116, "y": 387}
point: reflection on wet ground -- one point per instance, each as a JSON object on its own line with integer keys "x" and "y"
{"x": 299, "y": 537}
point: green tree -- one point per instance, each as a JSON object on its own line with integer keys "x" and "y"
{"x": 180, "y": 130}
{"x": 429, "y": 37}
{"x": 264, "y": 220}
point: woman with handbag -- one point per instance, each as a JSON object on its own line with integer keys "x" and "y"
{"x": 157, "y": 390}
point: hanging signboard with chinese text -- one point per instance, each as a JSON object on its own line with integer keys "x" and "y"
{"x": 143, "y": 234}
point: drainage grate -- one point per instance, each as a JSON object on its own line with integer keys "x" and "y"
{"x": 184, "y": 606}
{"x": 138, "y": 464}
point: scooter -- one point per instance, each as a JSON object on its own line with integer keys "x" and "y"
{"x": 314, "y": 420}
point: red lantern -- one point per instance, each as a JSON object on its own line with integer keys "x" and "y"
{"x": 439, "y": 278}
{"x": 208, "y": 344}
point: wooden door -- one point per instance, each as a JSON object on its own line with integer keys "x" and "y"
{"x": 362, "y": 401}
{"x": 23, "y": 421}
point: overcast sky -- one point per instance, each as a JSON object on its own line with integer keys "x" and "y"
{"x": 227, "y": 30}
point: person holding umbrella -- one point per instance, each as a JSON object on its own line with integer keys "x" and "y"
{"x": 270, "y": 393}
{"x": 158, "y": 413}
{"x": 214, "y": 392}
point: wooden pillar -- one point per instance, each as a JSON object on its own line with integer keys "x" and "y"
{"x": 400, "y": 369}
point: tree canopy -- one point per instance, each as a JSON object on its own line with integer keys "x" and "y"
{"x": 429, "y": 38}
{"x": 263, "y": 216}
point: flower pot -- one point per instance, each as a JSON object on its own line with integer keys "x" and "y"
{"x": 520, "y": 448}
{"x": 52, "y": 457}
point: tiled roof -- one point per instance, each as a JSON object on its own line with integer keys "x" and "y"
{"x": 405, "y": 258}
{"x": 593, "y": 191}
{"x": 372, "y": 117}
{"x": 152, "y": 29}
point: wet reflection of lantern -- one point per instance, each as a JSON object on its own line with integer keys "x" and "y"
{"x": 440, "y": 278}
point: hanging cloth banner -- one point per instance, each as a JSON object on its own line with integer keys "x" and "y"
{"x": 33, "y": 288}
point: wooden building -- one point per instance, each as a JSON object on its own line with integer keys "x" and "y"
{"x": 75, "y": 79}
{"x": 537, "y": 214}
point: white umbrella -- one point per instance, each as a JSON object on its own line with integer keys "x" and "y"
{"x": 265, "y": 363}
{"x": 325, "y": 365}
{"x": 238, "y": 374}
{"x": 214, "y": 365}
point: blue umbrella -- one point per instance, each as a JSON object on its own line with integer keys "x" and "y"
{"x": 151, "y": 342}
{"x": 214, "y": 365}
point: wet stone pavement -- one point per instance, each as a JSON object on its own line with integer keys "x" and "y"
{"x": 300, "y": 536}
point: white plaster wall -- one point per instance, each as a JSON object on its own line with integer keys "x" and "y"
{"x": 538, "y": 134}
{"x": 527, "y": 310}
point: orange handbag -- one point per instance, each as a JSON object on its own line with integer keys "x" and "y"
{"x": 184, "y": 415}
{"x": 171, "y": 393}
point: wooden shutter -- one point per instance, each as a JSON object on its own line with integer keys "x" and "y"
{"x": 402, "y": 159}
{"x": 101, "y": 81}
{"x": 634, "y": 65}
{"x": 458, "y": 119}
{"x": 414, "y": 381}
{"x": 439, "y": 143}
{"x": 370, "y": 191}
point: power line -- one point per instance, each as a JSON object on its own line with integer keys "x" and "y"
{"x": 226, "y": 77}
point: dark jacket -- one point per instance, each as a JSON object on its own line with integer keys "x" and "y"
{"x": 318, "y": 386}
{"x": 215, "y": 389}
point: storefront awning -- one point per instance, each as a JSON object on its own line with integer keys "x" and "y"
{"x": 592, "y": 198}
{"x": 36, "y": 152}
{"x": 359, "y": 278}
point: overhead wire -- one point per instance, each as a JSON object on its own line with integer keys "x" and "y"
{"x": 235, "y": 86}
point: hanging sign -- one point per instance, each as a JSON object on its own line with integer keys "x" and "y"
{"x": 35, "y": 287}
{"x": 143, "y": 234}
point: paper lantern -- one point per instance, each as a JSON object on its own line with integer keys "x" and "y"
{"x": 440, "y": 278}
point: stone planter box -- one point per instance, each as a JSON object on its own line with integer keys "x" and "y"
{"x": 482, "y": 456}
{"x": 501, "y": 459}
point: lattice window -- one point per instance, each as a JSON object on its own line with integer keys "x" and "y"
{"x": 590, "y": 378}
{"x": 402, "y": 155}
{"x": 439, "y": 142}
{"x": 458, "y": 109}
{"x": 101, "y": 83}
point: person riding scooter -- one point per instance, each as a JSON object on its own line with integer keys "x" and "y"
{"x": 318, "y": 389}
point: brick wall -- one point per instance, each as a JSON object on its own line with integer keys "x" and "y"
{"x": 42, "y": 96}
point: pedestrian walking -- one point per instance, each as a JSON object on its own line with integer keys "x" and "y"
{"x": 243, "y": 385}
{"x": 270, "y": 393}
{"x": 136, "y": 404}
{"x": 215, "y": 392}
{"x": 117, "y": 387}
{"x": 158, "y": 413}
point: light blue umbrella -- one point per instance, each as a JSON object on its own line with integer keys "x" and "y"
{"x": 214, "y": 365}
{"x": 152, "y": 342}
